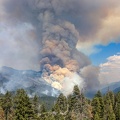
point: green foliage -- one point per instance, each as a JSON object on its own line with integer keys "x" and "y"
{"x": 6, "y": 104}
{"x": 42, "y": 109}
{"x": 98, "y": 94}
{"x": 98, "y": 105}
{"x": 96, "y": 116}
{"x": 74, "y": 100}
{"x": 46, "y": 116}
{"x": 36, "y": 106}
{"x": 108, "y": 111}
{"x": 49, "y": 101}
{"x": 70, "y": 116}
{"x": 112, "y": 98}
{"x": 73, "y": 107}
{"x": 117, "y": 106}
{"x": 59, "y": 116}
{"x": 22, "y": 106}
{"x": 61, "y": 104}
{"x": 78, "y": 106}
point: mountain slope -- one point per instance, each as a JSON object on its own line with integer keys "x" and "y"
{"x": 31, "y": 81}
{"x": 113, "y": 87}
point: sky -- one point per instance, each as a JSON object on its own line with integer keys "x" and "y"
{"x": 104, "y": 52}
{"x": 92, "y": 27}
{"x": 108, "y": 59}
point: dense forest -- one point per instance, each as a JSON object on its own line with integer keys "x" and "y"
{"x": 19, "y": 106}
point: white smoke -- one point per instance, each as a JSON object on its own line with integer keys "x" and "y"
{"x": 70, "y": 81}
{"x": 57, "y": 35}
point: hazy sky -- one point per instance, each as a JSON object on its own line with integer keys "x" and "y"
{"x": 96, "y": 25}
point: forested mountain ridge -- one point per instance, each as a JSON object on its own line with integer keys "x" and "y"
{"x": 12, "y": 79}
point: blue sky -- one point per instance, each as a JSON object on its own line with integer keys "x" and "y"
{"x": 105, "y": 52}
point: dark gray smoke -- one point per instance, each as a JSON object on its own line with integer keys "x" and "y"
{"x": 56, "y": 33}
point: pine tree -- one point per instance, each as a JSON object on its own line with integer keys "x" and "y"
{"x": 117, "y": 111}
{"x": 70, "y": 116}
{"x": 47, "y": 116}
{"x": 50, "y": 116}
{"x": 35, "y": 105}
{"x": 78, "y": 105}
{"x": 87, "y": 110}
{"x": 58, "y": 116}
{"x": 112, "y": 98}
{"x": 76, "y": 102}
{"x": 70, "y": 100}
{"x": 76, "y": 91}
{"x": 6, "y": 104}
{"x": 2, "y": 115}
{"x": 56, "y": 108}
{"x": 96, "y": 117}
{"x": 101, "y": 101}
{"x": 96, "y": 107}
{"x": 42, "y": 109}
{"x": 108, "y": 111}
{"x": 23, "y": 106}
{"x": 62, "y": 103}
{"x": 117, "y": 106}
{"x": 98, "y": 94}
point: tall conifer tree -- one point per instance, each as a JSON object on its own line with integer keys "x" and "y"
{"x": 109, "y": 112}
{"x": 117, "y": 106}
{"x": 23, "y": 106}
{"x": 6, "y": 104}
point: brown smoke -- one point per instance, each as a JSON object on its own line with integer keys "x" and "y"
{"x": 58, "y": 27}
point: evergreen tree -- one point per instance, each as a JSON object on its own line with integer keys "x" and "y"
{"x": 59, "y": 116}
{"x": 76, "y": 91}
{"x": 2, "y": 115}
{"x": 109, "y": 112}
{"x": 70, "y": 114}
{"x": 96, "y": 117}
{"x": 23, "y": 106}
{"x": 62, "y": 103}
{"x": 75, "y": 107}
{"x": 117, "y": 106}
{"x": 112, "y": 98}
{"x": 56, "y": 108}
{"x": 76, "y": 102}
{"x": 47, "y": 116}
{"x": 42, "y": 109}
{"x": 78, "y": 105}
{"x": 87, "y": 110}
{"x": 6, "y": 104}
{"x": 50, "y": 117}
{"x": 70, "y": 101}
{"x": 101, "y": 102}
{"x": 101, "y": 107}
{"x": 96, "y": 107}
{"x": 98, "y": 94}
{"x": 36, "y": 105}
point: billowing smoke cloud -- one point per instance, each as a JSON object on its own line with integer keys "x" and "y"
{"x": 97, "y": 21}
{"x": 90, "y": 75}
{"x": 59, "y": 58}
{"x": 58, "y": 26}
{"x": 18, "y": 47}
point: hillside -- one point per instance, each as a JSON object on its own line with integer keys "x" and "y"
{"x": 31, "y": 81}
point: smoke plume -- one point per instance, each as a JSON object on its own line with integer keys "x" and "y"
{"x": 57, "y": 28}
